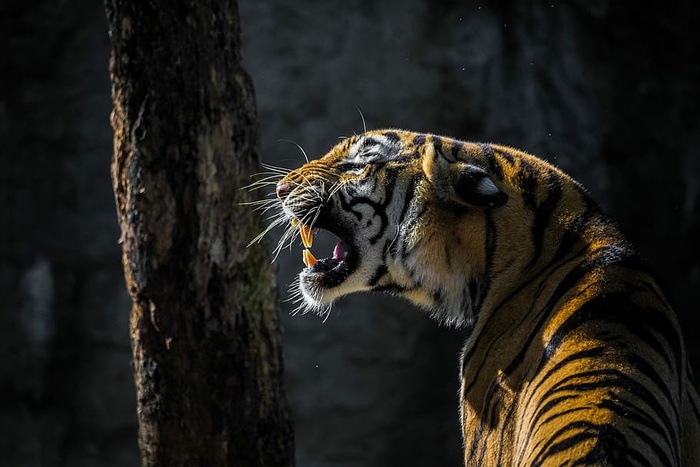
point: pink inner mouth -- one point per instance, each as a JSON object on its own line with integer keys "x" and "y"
{"x": 339, "y": 250}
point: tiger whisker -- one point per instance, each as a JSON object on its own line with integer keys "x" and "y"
{"x": 270, "y": 226}
{"x": 297, "y": 145}
{"x": 269, "y": 179}
{"x": 276, "y": 168}
{"x": 259, "y": 202}
{"x": 364, "y": 123}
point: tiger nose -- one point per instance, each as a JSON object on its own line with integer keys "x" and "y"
{"x": 282, "y": 190}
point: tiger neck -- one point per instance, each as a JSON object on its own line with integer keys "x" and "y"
{"x": 493, "y": 377}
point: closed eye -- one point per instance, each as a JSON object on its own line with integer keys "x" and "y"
{"x": 353, "y": 168}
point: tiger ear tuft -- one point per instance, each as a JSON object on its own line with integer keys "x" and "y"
{"x": 456, "y": 181}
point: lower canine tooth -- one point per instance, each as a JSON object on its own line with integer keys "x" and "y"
{"x": 309, "y": 259}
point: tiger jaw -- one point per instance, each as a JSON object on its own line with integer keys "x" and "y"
{"x": 320, "y": 279}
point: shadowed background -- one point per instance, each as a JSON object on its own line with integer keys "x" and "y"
{"x": 609, "y": 94}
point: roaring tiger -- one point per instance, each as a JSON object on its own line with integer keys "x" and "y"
{"x": 575, "y": 355}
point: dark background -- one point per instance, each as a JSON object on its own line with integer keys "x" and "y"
{"x": 609, "y": 93}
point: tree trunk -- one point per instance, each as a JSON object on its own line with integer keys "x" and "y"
{"x": 204, "y": 327}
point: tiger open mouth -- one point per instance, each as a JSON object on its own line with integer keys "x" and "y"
{"x": 331, "y": 271}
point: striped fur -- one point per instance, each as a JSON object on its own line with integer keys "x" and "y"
{"x": 575, "y": 355}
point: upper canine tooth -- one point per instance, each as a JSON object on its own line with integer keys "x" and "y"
{"x": 307, "y": 235}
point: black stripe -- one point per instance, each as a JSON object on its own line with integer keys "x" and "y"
{"x": 471, "y": 300}
{"x": 380, "y": 208}
{"x": 392, "y": 136}
{"x": 389, "y": 185}
{"x": 650, "y": 372}
{"x": 370, "y": 141}
{"x": 377, "y": 207}
{"x": 506, "y": 422}
{"x": 639, "y": 321}
{"x": 634, "y": 413}
{"x": 613, "y": 403}
{"x": 689, "y": 393}
{"x": 612, "y": 378}
{"x": 475, "y": 294}
{"x": 649, "y": 285}
{"x": 505, "y": 155}
{"x": 490, "y": 421}
{"x": 571, "y": 237}
{"x": 476, "y": 437}
{"x": 392, "y": 288}
{"x": 408, "y": 221}
{"x": 610, "y": 449}
{"x": 590, "y": 430}
{"x": 655, "y": 328}
{"x": 644, "y": 322}
{"x": 543, "y": 215}
{"x": 494, "y": 167}
{"x": 661, "y": 454}
{"x": 540, "y": 410}
{"x": 409, "y": 194}
{"x": 593, "y": 353}
{"x": 571, "y": 279}
{"x": 558, "y": 414}
{"x": 627, "y": 409}
{"x": 527, "y": 180}
{"x": 419, "y": 140}
{"x": 348, "y": 207}
{"x": 437, "y": 295}
{"x": 401, "y": 159}
{"x": 597, "y": 456}
{"x": 456, "y": 149}
{"x": 490, "y": 248}
{"x": 555, "y": 269}
{"x": 380, "y": 272}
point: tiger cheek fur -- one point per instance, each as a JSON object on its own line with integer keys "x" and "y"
{"x": 575, "y": 354}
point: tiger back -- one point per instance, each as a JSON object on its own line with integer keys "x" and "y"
{"x": 575, "y": 356}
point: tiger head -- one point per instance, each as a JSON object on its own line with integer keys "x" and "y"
{"x": 415, "y": 215}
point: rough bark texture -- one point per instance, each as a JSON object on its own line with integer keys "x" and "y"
{"x": 204, "y": 325}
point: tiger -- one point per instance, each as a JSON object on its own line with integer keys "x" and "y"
{"x": 574, "y": 354}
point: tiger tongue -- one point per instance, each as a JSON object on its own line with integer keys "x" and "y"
{"x": 339, "y": 250}
{"x": 338, "y": 254}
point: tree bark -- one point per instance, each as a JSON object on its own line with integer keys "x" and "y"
{"x": 204, "y": 326}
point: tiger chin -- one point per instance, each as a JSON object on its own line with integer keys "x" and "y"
{"x": 575, "y": 356}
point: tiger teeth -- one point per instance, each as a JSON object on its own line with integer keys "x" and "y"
{"x": 307, "y": 236}
{"x": 309, "y": 259}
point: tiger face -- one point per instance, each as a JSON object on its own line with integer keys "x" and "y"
{"x": 411, "y": 212}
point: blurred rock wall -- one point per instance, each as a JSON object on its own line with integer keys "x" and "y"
{"x": 610, "y": 94}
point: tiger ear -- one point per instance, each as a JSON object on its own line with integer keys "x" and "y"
{"x": 474, "y": 186}
{"x": 459, "y": 182}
